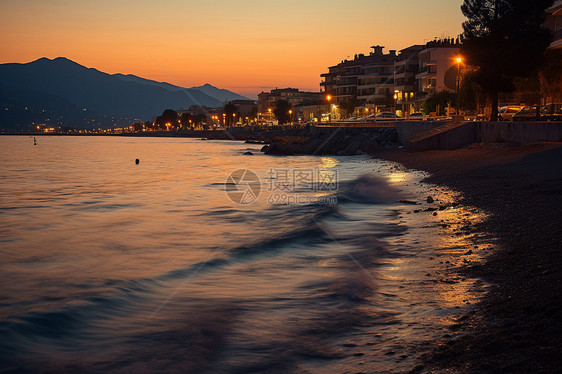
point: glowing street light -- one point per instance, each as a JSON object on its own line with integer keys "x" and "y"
{"x": 459, "y": 61}
{"x": 329, "y": 98}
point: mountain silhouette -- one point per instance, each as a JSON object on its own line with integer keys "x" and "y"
{"x": 66, "y": 93}
{"x": 219, "y": 94}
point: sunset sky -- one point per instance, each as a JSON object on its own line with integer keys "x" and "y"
{"x": 246, "y": 46}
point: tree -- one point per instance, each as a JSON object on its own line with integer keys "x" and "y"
{"x": 168, "y": 118}
{"x": 438, "y": 102}
{"x": 503, "y": 39}
{"x": 185, "y": 118}
{"x": 281, "y": 111}
{"x": 348, "y": 106}
{"x": 471, "y": 94}
{"x": 199, "y": 118}
{"x": 253, "y": 113}
{"x": 231, "y": 112}
{"x": 550, "y": 76}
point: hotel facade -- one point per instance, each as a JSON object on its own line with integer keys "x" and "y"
{"x": 368, "y": 79}
{"x": 402, "y": 81}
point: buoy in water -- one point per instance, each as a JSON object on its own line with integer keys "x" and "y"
{"x": 137, "y": 161}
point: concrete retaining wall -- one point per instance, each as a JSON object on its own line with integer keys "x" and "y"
{"x": 521, "y": 132}
{"x": 407, "y": 130}
{"x": 478, "y": 132}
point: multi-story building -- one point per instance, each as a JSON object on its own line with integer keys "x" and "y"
{"x": 268, "y": 100}
{"x": 245, "y": 108}
{"x": 369, "y": 79}
{"x": 554, "y": 23}
{"x": 438, "y": 67}
{"x": 405, "y": 84}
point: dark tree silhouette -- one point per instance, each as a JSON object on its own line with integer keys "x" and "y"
{"x": 438, "y": 102}
{"x": 185, "y": 118}
{"x": 169, "y": 116}
{"x": 551, "y": 75}
{"x": 199, "y": 118}
{"x": 348, "y": 106}
{"x": 253, "y": 113}
{"x": 281, "y": 111}
{"x": 471, "y": 94}
{"x": 231, "y": 112}
{"x": 159, "y": 123}
{"x": 504, "y": 39}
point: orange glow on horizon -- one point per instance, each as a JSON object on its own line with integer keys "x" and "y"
{"x": 246, "y": 50}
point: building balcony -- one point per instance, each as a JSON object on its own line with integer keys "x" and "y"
{"x": 375, "y": 75}
{"x": 371, "y": 97}
{"x": 425, "y": 74}
{"x": 406, "y": 88}
{"x": 342, "y": 85}
{"x": 429, "y": 90}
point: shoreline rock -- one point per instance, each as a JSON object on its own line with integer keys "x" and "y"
{"x": 335, "y": 141}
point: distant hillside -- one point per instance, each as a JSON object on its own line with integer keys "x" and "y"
{"x": 219, "y": 93}
{"x": 90, "y": 98}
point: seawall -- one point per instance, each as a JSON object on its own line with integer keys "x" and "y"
{"x": 421, "y": 136}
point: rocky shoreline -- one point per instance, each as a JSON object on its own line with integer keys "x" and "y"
{"x": 335, "y": 141}
{"x": 517, "y": 327}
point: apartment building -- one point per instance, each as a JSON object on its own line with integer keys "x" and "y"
{"x": 267, "y": 100}
{"x": 369, "y": 79}
{"x": 245, "y": 107}
{"x": 405, "y": 84}
{"x": 437, "y": 67}
{"x": 554, "y": 23}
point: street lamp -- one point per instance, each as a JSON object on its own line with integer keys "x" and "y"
{"x": 459, "y": 61}
{"x": 329, "y": 98}
{"x": 291, "y": 116}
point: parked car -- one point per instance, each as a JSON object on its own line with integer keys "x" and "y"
{"x": 551, "y": 112}
{"x": 387, "y": 115}
{"x": 416, "y": 115}
{"x": 528, "y": 113}
{"x": 506, "y": 113}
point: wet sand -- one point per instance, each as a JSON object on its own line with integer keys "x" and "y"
{"x": 517, "y": 328}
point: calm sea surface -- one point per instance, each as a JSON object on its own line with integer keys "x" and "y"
{"x": 109, "y": 266}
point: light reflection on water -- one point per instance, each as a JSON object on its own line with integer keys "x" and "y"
{"x": 108, "y": 266}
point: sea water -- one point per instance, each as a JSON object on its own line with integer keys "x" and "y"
{"x": 111, "y": 266}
